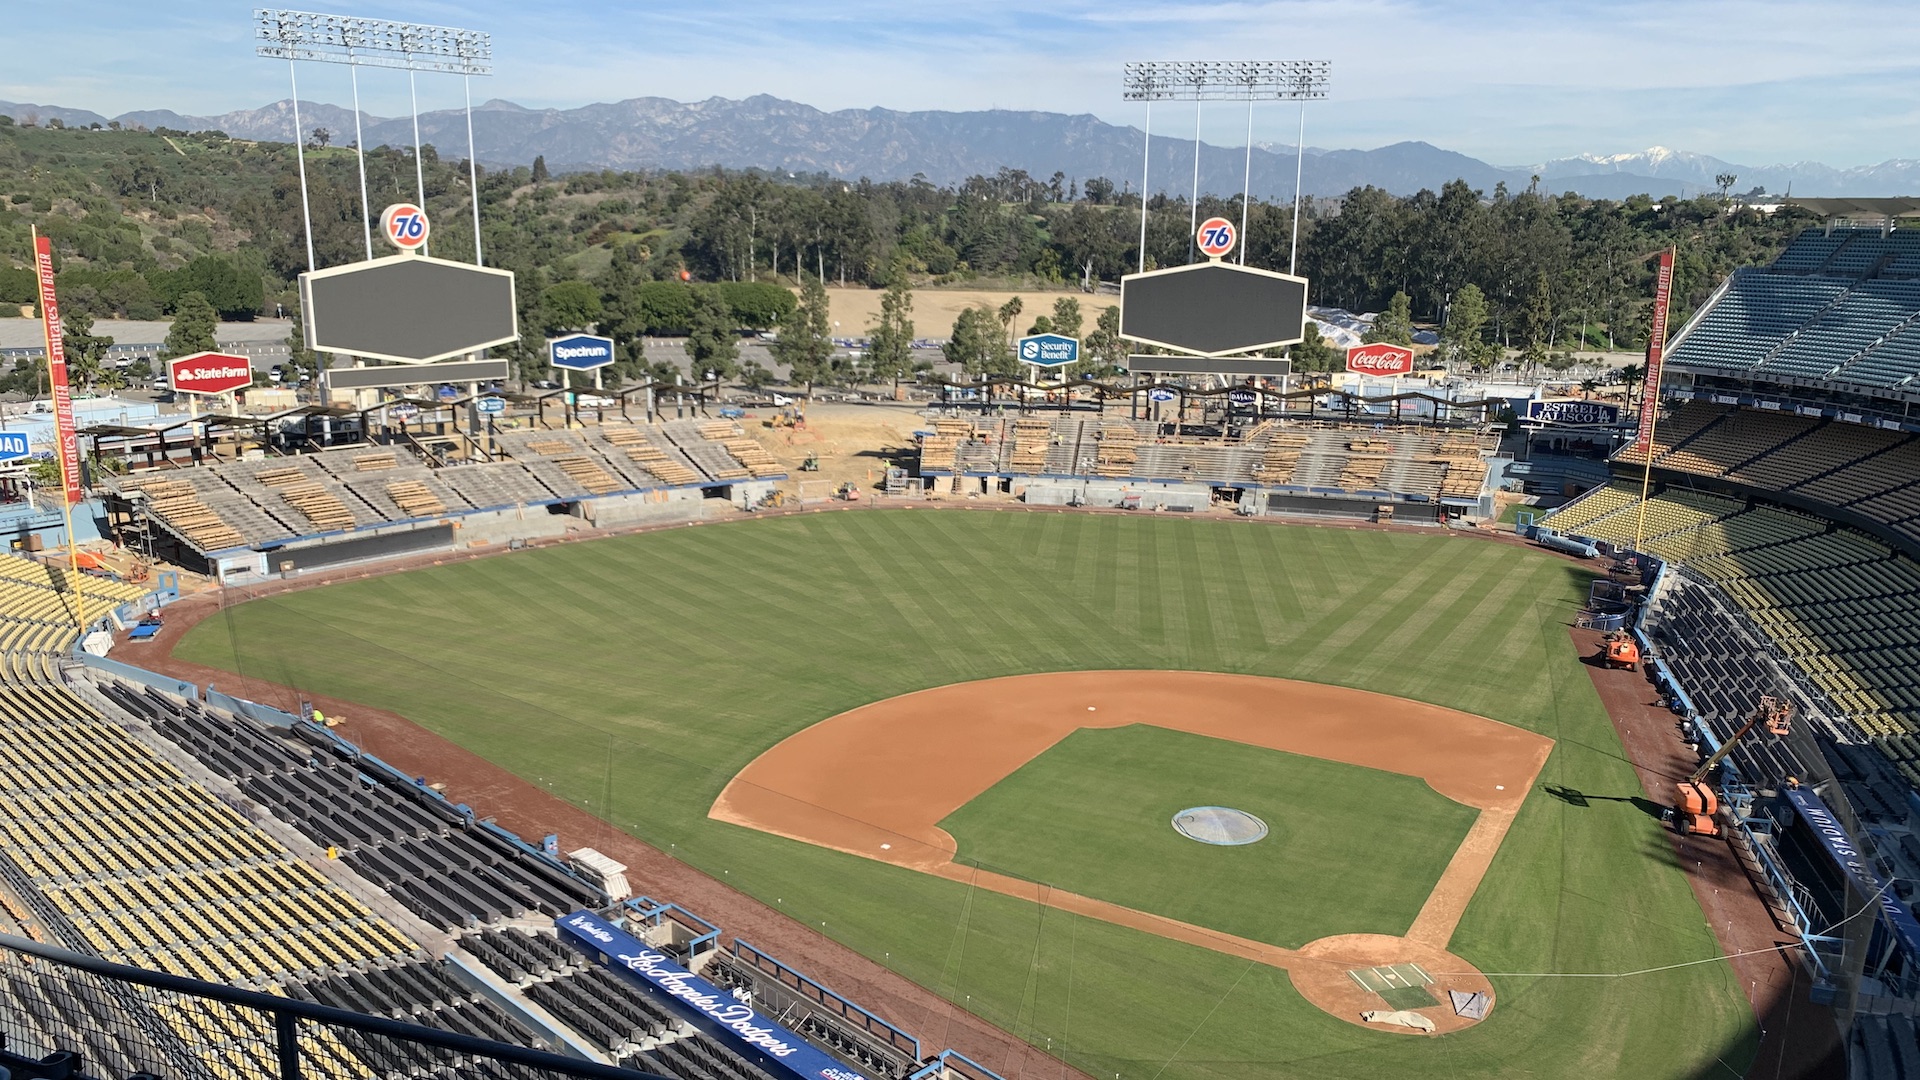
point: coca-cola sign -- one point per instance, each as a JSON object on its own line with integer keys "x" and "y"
{"x": 209, "y": 373}
{"x": 1380, "y": 359}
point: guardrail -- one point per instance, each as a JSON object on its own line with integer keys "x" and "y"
{"x": 118, "y": 1021}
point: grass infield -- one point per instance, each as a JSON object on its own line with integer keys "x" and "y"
{"x": 1349, "y": 850}
{"x": 635, "y": 676}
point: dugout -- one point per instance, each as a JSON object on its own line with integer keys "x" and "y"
{"x": 1872, "y": 938}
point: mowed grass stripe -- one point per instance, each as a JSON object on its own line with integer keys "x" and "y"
{"x": 656, "y": 665}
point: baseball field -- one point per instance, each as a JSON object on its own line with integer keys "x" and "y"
{"x": 654, "y": 679}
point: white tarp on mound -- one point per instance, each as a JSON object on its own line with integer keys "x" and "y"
{"x": 1400, "y": 1018}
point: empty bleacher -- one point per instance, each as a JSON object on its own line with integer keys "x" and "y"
{"x": 1416, "y": 462}
{"x": 256, "y": 503}
{"x": 1841, "y": 607}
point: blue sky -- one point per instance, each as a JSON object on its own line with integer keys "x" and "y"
{"x": 1508, "y": 81}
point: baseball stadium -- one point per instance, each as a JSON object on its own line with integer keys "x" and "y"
{"x": 1185, "y": 726}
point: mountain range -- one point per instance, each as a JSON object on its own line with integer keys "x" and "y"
{"x": 946, "y": 147}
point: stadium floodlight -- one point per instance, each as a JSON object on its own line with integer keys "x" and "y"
{"x": 358, "y": 42}
{"x": 1226, "y": 80}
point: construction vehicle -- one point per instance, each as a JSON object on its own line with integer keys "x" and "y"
{"x": 1693, "y": 814}
{"x": 848, "y": 492}
{"x": 812, "y": 464}
{"x": 1619, "y": 650}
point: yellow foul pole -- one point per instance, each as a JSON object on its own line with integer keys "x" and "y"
{"x": 1650, "y": 387}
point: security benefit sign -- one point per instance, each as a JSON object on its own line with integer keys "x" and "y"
{"x": 209, "y": 373}
{"x": 1572, "y": 411}
{"x": 1049, "y": 350}
{"x": 580, "y": 352}
{"x": 760, "y": 1039}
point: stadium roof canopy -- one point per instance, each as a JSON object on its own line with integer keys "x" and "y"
{"x": 1839, "y": 208}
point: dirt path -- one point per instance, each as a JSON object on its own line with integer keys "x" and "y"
{"x": 877, "y": 780}
{"x": 1799, "y": 1039}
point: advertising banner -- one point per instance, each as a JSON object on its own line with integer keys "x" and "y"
{"x": 209, "y": 373}
{"x": 1656, "y": 351}
{"x": 66, "y": 441}
{"x": 1573, "y": 411}
{"x": 1380, "y": 358}
{"x": 710, "y": 1008}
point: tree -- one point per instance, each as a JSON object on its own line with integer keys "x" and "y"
{"x": 320, "y": 140}
{"x": 540, "y": 173}
{"x": 1009, "y": 311}
{"x": 1042, "y": 324}
{"x": 1066, "y": 316}
{"x": 194, "y": 323}
{"x": 1460, "y": 340}
{"x": 569, "y": 305}
{"x": 805, "y": 343}
{"x": 1312, "y": 353}
{"x": 979, "y": 345}
{"x": 755, "y": 376}
{"x": 1536, "y": 321}
{"x": 890, "y": 341}
{"x": 86, "y": 353}
{"x": 713, "y": 342}
{"x": 1104, "y": 349}
{"x": 1394, "y": 325}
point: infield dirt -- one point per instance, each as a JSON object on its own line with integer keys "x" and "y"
{"x": 876, "y": 781}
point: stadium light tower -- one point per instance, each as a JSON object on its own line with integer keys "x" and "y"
{"x": 1227, "y": 80}
{"x": 358, "y": 43}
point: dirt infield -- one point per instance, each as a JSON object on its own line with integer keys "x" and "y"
{"x": 877, "y": 780}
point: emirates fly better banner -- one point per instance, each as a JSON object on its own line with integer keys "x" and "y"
{"x": 64, "y": 435}
{"x": 1656, "y": 351}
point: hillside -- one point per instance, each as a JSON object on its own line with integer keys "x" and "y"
{"x": 141, "y": 219}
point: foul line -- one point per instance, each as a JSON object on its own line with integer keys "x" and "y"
{"x": 1865, "y": 909}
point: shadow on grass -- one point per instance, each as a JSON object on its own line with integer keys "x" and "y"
{"x": 1576, "y": 797}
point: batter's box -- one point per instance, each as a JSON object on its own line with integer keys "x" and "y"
{"x": 1401, "y": 986}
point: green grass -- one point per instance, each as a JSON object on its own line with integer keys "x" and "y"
{"x": 635, "y": 676}
{"x": 1093, "y": 815}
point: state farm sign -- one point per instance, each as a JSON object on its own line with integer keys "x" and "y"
{"x": 1380, "y": 359}
{"x": 209, "y": 373}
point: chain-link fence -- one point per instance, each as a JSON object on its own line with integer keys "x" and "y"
{"x": 122, "y": 1022}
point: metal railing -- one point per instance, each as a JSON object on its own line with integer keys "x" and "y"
{"x": 123, "y": 1021}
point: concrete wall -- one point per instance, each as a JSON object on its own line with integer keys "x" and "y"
{"x": 683, "y": 504}
{"x": 1113, "y": 493}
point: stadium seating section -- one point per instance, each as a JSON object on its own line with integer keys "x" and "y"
{"x": 1429, "y": 463}
{"x": 251, "y": 503}
{"x": 1842, "y": 307}
{"x": 128, "y": 830}
{"x": 1841, "y": 607}
{"x": 1869, "y": 471}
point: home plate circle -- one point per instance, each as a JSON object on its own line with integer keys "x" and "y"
{"x": 1221, "y": 825}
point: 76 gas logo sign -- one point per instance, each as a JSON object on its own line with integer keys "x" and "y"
{"x": 405, "y": 226}
{"x": 1215, "y": 237}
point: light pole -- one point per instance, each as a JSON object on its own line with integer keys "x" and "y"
{"x": 411, "y": 47}
{"x": 1227, "y": 80}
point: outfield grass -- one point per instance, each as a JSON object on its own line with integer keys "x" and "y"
{"x": 635, "y": 676}
{"x": 1350, "y": 850}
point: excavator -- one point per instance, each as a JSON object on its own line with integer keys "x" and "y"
{"x": 1619, "y": 650}
{"x": 1698, "y": 803}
